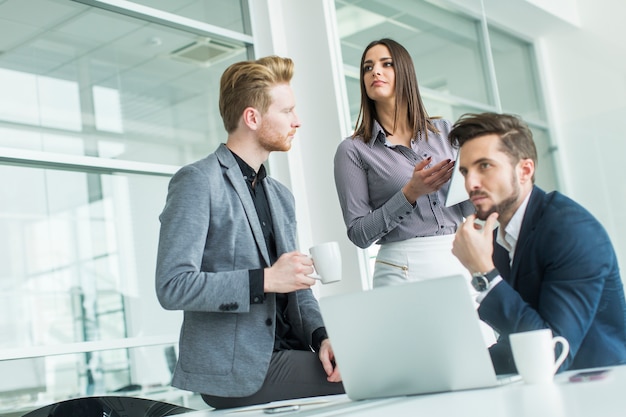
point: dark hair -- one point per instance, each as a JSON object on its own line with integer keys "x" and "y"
{"x": 407, "y": 91}
{"x": 516, "y": 138}
{"x": 247, "y": 84}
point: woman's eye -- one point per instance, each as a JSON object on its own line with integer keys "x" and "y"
{"x": 367, "y": 68}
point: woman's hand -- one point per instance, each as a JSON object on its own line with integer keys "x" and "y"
{"x": 427, "y": 180}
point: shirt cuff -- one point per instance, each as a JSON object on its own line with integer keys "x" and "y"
{"x": 319, "y": 335}
{"x": 257, "y": 295}
{"x": 493, "y": 283}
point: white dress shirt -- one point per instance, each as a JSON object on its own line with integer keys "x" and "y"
{"x": 508, "y": 240}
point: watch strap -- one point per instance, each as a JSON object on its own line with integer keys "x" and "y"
{"x": 480, "y": 280}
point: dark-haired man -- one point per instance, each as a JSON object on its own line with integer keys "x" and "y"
{"x": 549, "y": 264}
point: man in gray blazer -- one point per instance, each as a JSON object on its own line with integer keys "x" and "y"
{"x": 252, "y": 330}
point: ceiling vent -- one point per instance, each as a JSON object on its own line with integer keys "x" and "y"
{"x": 205, "y": 52}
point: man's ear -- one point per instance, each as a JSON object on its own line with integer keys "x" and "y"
{"x": 251, "y": 118}
{"x": 526, "y": 170}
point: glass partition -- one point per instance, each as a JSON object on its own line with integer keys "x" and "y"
{"x": 100, "y": 106}
{"x": 136, "y": 91}
{"x": 516, "y": 73}
{"x": 38, "y": 382}
{"x": 226, "y": 14}
{"x": 78, "y": 257}
{"x": 446, "y": 47}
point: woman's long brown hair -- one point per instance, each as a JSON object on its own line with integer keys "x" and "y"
{"x": 406, "y": 89}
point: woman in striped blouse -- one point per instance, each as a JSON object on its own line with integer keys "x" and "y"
{"x": 392, "y": 174}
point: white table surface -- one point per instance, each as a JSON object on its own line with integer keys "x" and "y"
{"x": 603, "y": 398}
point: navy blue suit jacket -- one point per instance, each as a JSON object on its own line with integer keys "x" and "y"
{"x": 565, "y": 277}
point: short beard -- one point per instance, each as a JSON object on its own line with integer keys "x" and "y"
{"x": 504, "y": 206}
{"x": 501, "y": 208}
{"x": 272, "y": 141}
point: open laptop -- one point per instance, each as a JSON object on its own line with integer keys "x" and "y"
{"x": 416, "y": 338}
{"x": 456, "y": 191}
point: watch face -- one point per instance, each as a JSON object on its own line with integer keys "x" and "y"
{"x": 479, "y": 282}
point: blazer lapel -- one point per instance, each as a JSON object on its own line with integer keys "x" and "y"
{"x": 234, "y": 175}
{"x": 529, "y": 224}
{"x": 501, "y": 259}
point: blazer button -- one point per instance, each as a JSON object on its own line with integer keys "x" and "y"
{"x": 268, "y": 322}
{"x": 229, "y": 307}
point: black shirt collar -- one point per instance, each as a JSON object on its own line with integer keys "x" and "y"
{"x": 248, "y": 172}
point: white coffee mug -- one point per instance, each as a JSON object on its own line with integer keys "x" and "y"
{"x": 533, "y": 352}
{"x": 327, "y": 262}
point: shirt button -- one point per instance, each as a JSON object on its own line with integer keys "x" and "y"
{"x": 256, "y": 299}
{"x": 441, "y": 227}
{"x": 434, "y": 203}
{"x": 268, "y": 322}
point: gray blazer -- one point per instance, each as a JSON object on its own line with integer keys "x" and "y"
{"x": 210, "y": 237}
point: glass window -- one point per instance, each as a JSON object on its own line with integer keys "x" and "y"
{"x": 545, "y": 170}
{"x": 136, "y": 91}
{"x": 225, "y": 14}
{"x": 77, "y": 264}
{"x": 516, "y": 74}
{"x": 445, "y": 46}
{"x": 141, "y": 372}
{"x": 78, "y": 248}
{"x": 78, "y": 257}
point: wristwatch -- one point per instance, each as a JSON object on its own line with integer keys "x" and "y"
{"x": 481, "y": 280}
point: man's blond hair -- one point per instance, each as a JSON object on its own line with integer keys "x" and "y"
{"x": 247, "y": 84}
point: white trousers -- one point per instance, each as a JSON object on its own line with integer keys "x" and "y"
{"x": 419, "y": 259}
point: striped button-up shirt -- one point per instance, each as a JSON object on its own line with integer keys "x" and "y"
{"x": 369, "y": 178}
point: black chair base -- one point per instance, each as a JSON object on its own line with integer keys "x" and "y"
{"x": 108, "y": 406}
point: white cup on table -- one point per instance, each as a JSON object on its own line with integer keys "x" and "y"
{"x": 534, "y": 355}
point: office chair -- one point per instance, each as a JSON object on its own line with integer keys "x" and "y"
{"x": 108, "y": 406}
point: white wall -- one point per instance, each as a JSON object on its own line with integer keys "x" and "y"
{"x": 586, "y": 71}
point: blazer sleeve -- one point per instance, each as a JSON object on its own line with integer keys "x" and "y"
{"x": 564, "y": 267}
{"x": 181, "y": 282}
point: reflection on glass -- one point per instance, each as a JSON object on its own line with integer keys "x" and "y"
{"x": 545, "y": 171}
{"x": 36, "y": 383}
{"x": 39, "y": 100}
{"x": 226, "y": 14}
{"x": 77, "y": 259}
{"x": 445, "y": 46}
{"x": 107, "y": 109}
{"x": 78, "y": 248}
{"x": 77, "y": 256}
{"x": 136, "y": 91}
{"x": 516, "y": 75}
